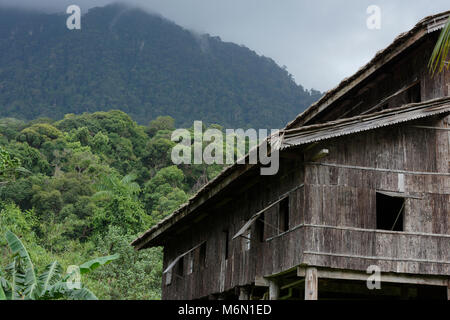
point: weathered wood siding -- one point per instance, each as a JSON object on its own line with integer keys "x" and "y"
{"x": 346, "y": 197}
{"x": 242, "y": 266}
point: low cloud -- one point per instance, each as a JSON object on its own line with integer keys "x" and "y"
{"x": 320, "y": 42}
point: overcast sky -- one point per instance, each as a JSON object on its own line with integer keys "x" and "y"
{"x": 320, "y": 42}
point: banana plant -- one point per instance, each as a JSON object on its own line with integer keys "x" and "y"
{"x": 440, "y": 53}
{"x": 19, "y": 280}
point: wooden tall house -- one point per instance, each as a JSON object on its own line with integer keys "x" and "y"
{"x": 363, "y": 187}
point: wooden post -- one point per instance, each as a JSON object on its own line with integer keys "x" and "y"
{"x": 448, "y": 291}
{"x": 274, "y": 290}
{"x": 311, "y": 284}
{"x": 244, "y": 294}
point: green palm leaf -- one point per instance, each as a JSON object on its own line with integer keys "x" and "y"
{"x": 50, "y": 276}
{"x": 18, "y": 249}
{"x": 81, "y": 294}
{"x": 15, "y": 284}
{"x": 27, "y": 280}
{"x": 440, "y": 52}
{"x": 95, "y": 263}
{"x": 2, "y": 283}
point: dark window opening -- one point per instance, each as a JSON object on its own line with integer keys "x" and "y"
{"x": 390, "y": 212}
{"x": 202, "y": 255}
{"x": 284, "y": 215}
{"x": 260, "y": 224}
{"x": 180, "y": 267}
{"x": 227, "y": 244}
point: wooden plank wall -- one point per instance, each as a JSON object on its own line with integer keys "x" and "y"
{"x": 347, "y": 197}
{"x": 392, "y": 252}
{"x": 242, "y": 266}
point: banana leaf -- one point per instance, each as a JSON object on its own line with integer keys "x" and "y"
{"x": 97, "y": 262}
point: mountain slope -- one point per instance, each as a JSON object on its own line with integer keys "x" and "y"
{"x": 142, "y": 64}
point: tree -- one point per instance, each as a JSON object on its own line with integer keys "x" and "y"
{"x": 440, "y": 53}
{"x": 21, "y": 282}
{"x": 163, "y": 193}
{"x": 8, "y": 164}
{"x": 161, "y": 123}
{"x": 37, "y": 134}
{"x": 119, "y": 205}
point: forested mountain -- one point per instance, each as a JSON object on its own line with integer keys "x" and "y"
{"x": 139, "y": 63}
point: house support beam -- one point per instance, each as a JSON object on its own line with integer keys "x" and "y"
{"x": 311, "y": 284}
{"x": 274, "y": 290}
{"x": 328, "y": 273}
{"x": 448, "y": 290}
{"x": 244, "y": 293}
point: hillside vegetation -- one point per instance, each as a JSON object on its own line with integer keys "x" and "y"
{"x": 86, "y": 186}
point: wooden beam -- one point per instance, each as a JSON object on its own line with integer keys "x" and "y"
{"x": 448, "y": 290}
{"x": 328, "y": 273}
{"x": 261, "y": 282}
{"x": 311, "y": 284}
{"x": 293, "y": 284}
{"x": 385, "y": 100}
{"x": 274, "y": 290}
{"x": 244, "y": 294}
{"x": 419, "y": 173}
{"x": 431, "y": 128}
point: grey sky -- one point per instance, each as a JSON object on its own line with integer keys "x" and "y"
{"x": 321, "y": 42}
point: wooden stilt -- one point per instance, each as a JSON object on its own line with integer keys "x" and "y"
{"x": 274, "y": 290}
{"x": 448, "y": 291}
{"x": 311, "y": 284}
{"x": 244, "y": 294}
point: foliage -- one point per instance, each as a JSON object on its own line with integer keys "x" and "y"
{"x": 21, "y": 282}
{"x": 91, "y": 187}
{"x": 120, "y": 206}
{"x": 439, "y": 56}
{"x": 8, "y": 164}
{"x": 136, "y": 275}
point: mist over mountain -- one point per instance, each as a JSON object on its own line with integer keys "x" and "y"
{"x": 125, "y": 58}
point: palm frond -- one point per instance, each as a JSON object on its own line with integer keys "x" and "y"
{"x": 129, "y": 178}
{"x": 440, "y": 52}
{"x": 93, "y": 264}
{"x": 50, "y": 276}
{"x": 103, "y": 195}
{"x": 27, "y": 280}
{"x": 81, "y": 294}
